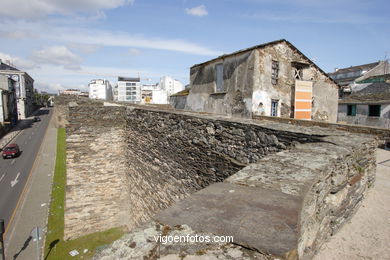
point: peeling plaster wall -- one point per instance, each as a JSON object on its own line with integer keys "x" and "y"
{"x": 325, "y": 92}
{"x": 264, "y": 91}
{"x": 362, "y": 117}
{"x": 238, "y": 78}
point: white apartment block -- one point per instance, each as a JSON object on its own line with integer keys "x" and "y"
{"x": 170, "y": 85}
{"x": 129, "y": 89}
{"x": 100, "y": 89}
{"x": 160, "y": 96}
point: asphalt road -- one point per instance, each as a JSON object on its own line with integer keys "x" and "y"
{"x": 15, "y": 172}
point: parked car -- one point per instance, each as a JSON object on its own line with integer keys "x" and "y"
{"x": 12, "y": 150}
{"x": 37, "y": 119}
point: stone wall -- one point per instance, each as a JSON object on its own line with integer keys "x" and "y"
{"x": 146, "y": 159}
{"x": 178, "y": 101}
{"x": 96, "y": 190}
{"x": 330, "y": 181}
{"x": 283, "y": 206}
{"x": 294, "y": 185}
{"x": 171, "y": 155}
{"x": 381, "y": 133}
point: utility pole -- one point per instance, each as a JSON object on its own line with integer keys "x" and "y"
{"x": 2, "y": 230}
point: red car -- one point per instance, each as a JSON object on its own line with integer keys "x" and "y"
{"x": 12, "y": 150}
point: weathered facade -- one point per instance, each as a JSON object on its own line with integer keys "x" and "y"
{"x": 362, "y": 115}
{"x": 8, "y": 108}
{"x": 368, "y": 106}
{"x": 24, "y": 89}
{"x": 272, "y": 79}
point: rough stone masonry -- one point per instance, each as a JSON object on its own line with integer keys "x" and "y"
{"x": 278, "y": 189}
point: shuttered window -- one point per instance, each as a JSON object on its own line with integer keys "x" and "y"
{"x": 351, "y": 110}
{"x": 219, "y": 78}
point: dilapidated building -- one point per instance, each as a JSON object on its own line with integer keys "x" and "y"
{"x": 272, "y": 79}
{"x": 369, "y": 104}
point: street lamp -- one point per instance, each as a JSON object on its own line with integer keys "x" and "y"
{"x": 2, "y": 230}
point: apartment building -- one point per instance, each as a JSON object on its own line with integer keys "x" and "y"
{"x": 24, "y": 88}
{"x": 170, "y": 85}
{"x": 129, "y": 89}
{"x": 100, "y": 89}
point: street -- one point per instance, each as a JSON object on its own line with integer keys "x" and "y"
{"x": 15, "y": 172}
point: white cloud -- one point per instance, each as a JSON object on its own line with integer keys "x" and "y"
{"x": 57, "y": 55}
{"x": 33, "y": 9}
{"x": 84, "y": 48}
{"x": 317, "y": 17}
{"x": 134, "y": 52}
{"x": 123, "y": 39}
{"x": 197, "y": 11}
{"x": 16, "y": 35}
{"x": 73, "y": 35}
{"x": 19, "y": 63}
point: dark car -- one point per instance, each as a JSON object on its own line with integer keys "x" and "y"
{"x": 12, "y": 150}
{"x": 37, "y": 119}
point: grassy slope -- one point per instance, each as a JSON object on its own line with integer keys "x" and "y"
{"x": 55, "y": 246}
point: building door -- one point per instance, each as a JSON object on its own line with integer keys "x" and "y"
{"x": 274, "y": 107}
{"x": 303, "y": 99}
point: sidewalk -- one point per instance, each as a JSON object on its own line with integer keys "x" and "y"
{"x": 34, "y": 206}
{"x": 6, "y": 139}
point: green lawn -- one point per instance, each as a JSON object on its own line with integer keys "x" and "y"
{"x": 55, "y": 247}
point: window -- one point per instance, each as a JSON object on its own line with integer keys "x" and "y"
{"x": 275, "y": 72}
{"x": 274, "y": 107}
{"x": 351, "y": 110}
{"x": 219, "y": 77}
{"x": 298, "y": 74}
{"x": 374, "y": 110}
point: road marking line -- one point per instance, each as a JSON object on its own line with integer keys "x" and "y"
{"x": 13, "y": 161}
{"x": 14, "y": 182}
{"x": 2, "y": 177}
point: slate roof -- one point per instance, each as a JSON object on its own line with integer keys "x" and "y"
{"x": 378, "y": 92}
{"x": 4, "y": 66}
{"x": 365, "y": 67}
{"x": 129, "y": 79}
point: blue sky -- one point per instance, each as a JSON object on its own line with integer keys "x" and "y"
{"x": 65, "y": 44}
